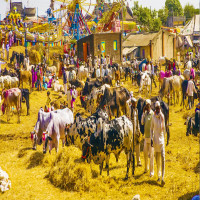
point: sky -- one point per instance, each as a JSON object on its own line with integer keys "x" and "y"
{"x": 43, "y": 5}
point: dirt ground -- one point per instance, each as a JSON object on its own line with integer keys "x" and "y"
{"x": 29, "y": 169}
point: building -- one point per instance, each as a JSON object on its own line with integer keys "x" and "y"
{"x": 26, "y": 12}
{"x": 173, "y": 21}
{"x": 150, "y": 45}
{"x": 101, "y": 44}
{"x": 18, "y": 5}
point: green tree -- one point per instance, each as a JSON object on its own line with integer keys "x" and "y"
{"x": 189, "y": 11}
{"x": 163, "y": 15}
{"x": 157, "y": 23}
{"x": 147, "y": 18}
{"x": 174, "y": 7}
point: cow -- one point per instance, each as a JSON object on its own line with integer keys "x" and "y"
{"x": 12, "y": 97}
{"x": 107, "y": 80}
{"x": 111, "y": 137}
{"x": 43, "y": 121}
{"x": 144, "y": 80}
{"x": 57, "y": 87}
{"x": 114, "y": 99}
{"x": 90, "y": 84}
{"x": 166, "y": 88}
{"x": 82, "y": 73}
{"x": 52, "y": 69}
{"x": 173, "y": 85}
{"x": 14, "y": 82}
{"x": 25, "y": 95}
{"x": 193, "y": 124}
{"x": 164, "y": 108}
{"x": 163, "y": 75}
{"x": 56, "y": 129}
{"x": 77, "y": 83}
{"x": 83, "y": 127}
{"x": 25, "y": 76}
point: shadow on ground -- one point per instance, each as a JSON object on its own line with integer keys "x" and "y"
{"x": 35, "y": 160}
{"x": 188, "y": 196}
{"x": 23, "y": 152}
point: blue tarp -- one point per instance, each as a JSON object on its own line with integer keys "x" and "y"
{"x": 140, "y": 65}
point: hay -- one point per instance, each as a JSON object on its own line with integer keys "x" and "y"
{"x": 69, "y": 173}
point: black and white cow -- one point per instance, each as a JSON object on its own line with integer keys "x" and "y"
{"x": 111, "y": 137}
{"x": 193, "y": 124}
{"x": 83, "y": 127}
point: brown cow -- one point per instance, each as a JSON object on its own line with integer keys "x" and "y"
{"x": 114, "y": 100}
{"x": 25, "y": 76}
{"x": 11, "y": 97}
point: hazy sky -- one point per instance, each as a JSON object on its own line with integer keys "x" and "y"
{"x": 44, "y": 4}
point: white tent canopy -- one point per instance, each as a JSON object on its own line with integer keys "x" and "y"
{"x": 192, "y": 27}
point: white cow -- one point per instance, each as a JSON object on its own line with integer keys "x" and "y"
{"x": 145, "y": 82}
{"x": 56, "y": 129}
{"x": 5, "y": 183}
{"x": 52, "y": 69}
{"x": 14, "y": 82}
{"x": 57, "y": 87}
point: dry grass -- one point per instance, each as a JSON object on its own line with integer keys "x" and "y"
{"x": 63, "y": 176}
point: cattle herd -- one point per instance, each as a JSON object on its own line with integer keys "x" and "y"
{"x": 109, "y": 128}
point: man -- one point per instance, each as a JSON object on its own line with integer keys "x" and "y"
{"x": 74, "y": 95}
{"x": 158, "y": 139}
{"x": 64, "y": 80}
{"x": 69, "y": 97}
{"x": 190, "y": 91}
{"x": 153, "y": 74}
{"x": 149, "y": 68}
{"x": 38, "y": 80}
{"x": 3, "y": 50}
{"x": 136, "y": 128}
{"x": 148, "y": 150}
{"x": 7, "y": 50}
{"x": 98, "y": 72}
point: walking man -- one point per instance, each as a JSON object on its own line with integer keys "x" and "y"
{"x": 148, "y": 149}
{"x": 158, "y": 140}
{"x": 7, "y": 50}
{"x": 136, "y": 128}
{"x": 64, "y": 80}
{"x": 190, "y": 91}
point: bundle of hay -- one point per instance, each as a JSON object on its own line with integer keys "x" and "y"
{"x": 35, "y": 57}
{"x": 5, "y": 183}
{"x": 69, "y": 173}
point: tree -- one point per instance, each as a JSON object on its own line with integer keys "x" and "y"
{"x": 157, "y": 23}
{"x": 163, "y": 15}
{"x": 189, "y": 11}
{"x": 147, "y": 18}
{"x": 174, "y": 7}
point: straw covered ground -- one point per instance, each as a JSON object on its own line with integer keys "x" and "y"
{"x": 63, "y": 175}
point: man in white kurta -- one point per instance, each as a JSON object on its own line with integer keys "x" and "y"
{"x": 98, "y": 73}
{"x": 148, "y": 149}
{"x": 158, "y": 139}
